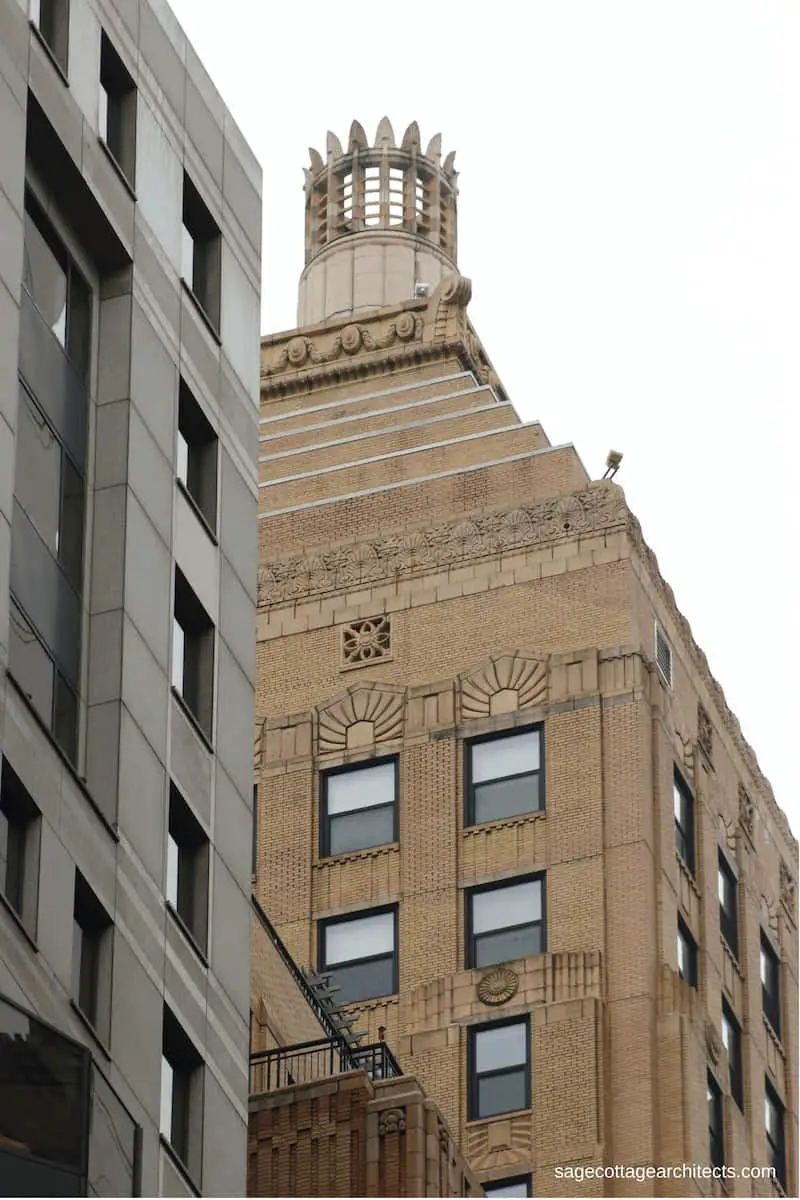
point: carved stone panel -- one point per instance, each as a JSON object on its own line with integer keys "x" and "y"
{"x": 503, "y": 684}
{"x": 362, "y": 716}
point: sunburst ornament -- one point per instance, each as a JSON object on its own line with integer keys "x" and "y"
{"x": 498, "y": 986}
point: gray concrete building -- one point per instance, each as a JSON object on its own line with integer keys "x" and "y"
{"x": 130, "y": 217}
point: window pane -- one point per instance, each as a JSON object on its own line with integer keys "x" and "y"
{"x": 722, "y": 888}
{"x": 30, "y": 665}
{"x": 182, "y": 468}
{"x": 37, "y": 481}
{"x": 360, "y": 938}
{"x": 505, "y": 756}
{"x": 502, "y": 1093}
{"x": 65, "y": 717}
{"x": 501, "y": 907}
{"x": 677, "y": 801}
{"x": 520, "y": 1188}
{"x": 727, "y": 1033}
{"x": 503, "y": 1046}
{"x": 45, "y": 277}
{"x": 361, "y": 789}
{"x": 683, "y": 955}
{"x": 172, "y": 871}
{"x": 70, "y": 538}
{"x": 359, "y": 830}
{"x": 503, "y": 946}
{"x": 178, "y": 653}
{"x": 364, "y": 980}
{"x": 496, "y": 801}
{"x": 167, "y": 1082}
{"x": 187, "y": 256}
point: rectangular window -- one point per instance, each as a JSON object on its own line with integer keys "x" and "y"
{"x": 51, "y": 18}
{"x": 19, "y": 846}
{"x": 520, "y": 1185}
{"x": 504, "y": 776}
{"x": 498, "y": 1067}
{"x": 361, "y": 954}
{"x": 774, "y": 1122}
{"x": 201, "y": 252}
{"x": 683, "y": 803}
{"x": 181, "y": 1093}
{"x": 187, "y": 868}
{"x": 193, "y": 654}
{"x": 687, "y": 955}
{"x": 197, "y": 456}
{"x": 117, "y": 116}
{"x": 770, "y": 985}
{"x": 57, "y": 287}
{"x": 716, "y": 1141}
{"x": 727, "y": 889}
{"x": 91, "y": 975}
{"x": 732, "y": 1041}
{"x": 359, "y": 807}
{"x": 505, "y": 921}
{"x": 663, "y": 656}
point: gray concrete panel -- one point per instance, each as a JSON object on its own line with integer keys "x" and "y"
{"x": 233, "y": 827}
{"x": 105, "y": 656}
{"x": 148, "y": 575}
{"x": 235, "y": 706}
{"x": 144, "y": 688}
{"x": 10, "y": 245}
{"x": 56, "y": 891}
{"x": 142, "y": 798}
{"x": 154, "y": 383}
{"x": 136, "y": 1011}
{"x": 230, "y": 936}
{"x": 114, "y": 358}
{"x": 102, "y": 755}
{"x": 237, "y": 526}
{"x": 224, "y": 1144}
{"x": 108, "y": 549}
{"x": 151, "y": 476}
{"x": 163, "y": 59}
{"x": 190, "y": 763}
{"x": 111, "y": 444}
{"x": 12, "y": 139}
{"x": 237, "y": 619}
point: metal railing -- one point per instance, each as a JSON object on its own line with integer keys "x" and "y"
{"x": 308, "y": 1062}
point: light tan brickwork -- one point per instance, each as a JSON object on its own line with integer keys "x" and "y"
{"x": 520, "y": 595}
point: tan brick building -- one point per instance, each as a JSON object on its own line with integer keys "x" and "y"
{"x": 501, "y": 798}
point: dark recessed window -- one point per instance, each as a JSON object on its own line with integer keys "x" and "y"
{"x": 774, "y": 1122}
{"x": 197, "y": 455}
{"x": 505, "y": 921}
{"x": 193, "y": 654}
{"x": 504, "y": 776}
{"x": 728, "y": 906}
{"x": 663, "y": 656}
{"x": 187, "y": 868}
{"x": 51, "y": 18}
{"x": 732, "y": 1041}
{"x": 117, "y": 109}
{"x": 683, "y": 803}
{"x": 19, "y": 845}
{"x": 687, "y": 955}
{"x": 359, "y": 807}
{"x": 716, "y": 1141}
{"x": 201, "y": 252}
{"x": 520, "y": 1185}
{"x": 771, "y": 985}
{"x": 498, "y": 1065}
{"x": 91, "y": 960}
{"x": 181, "y": 1092}
{"x": 57, "y": 287}
{"x": 361, "y": 954}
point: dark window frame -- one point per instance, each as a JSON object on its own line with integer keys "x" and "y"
{"x": 728, "y": 920}
{"x": 735, "y": 1060}
{"x": 187, "y": 1066}
{"x": 19, "y": 805}
{"x": 201, "y": 484}
{"x": 325, "y": 967}
{"x": 95, "y": 925}
{"x": 469, "y": 786}
{"x": 685, "y": 842}
{"x": 771, "y": 994}
{"x": 192, "y": 897}
{"x": 509, "y": 1181}
{"x": 776, "y": 1151}
{"x": 199, "y": 653}
{"x": 116, "y": 81}
{"x": 693, "y": 978}
{"x": 325, "y": 817}
{"x": 498, "y": 885}
{"x": 52, "y": 26}
{"x": 716, "y": 1122}
{"x": 473, "y": 1113}
{"x": 205, "y": 285}
{"x": 76, "y": 346}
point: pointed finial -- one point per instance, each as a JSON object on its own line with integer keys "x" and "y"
{"x": 385, "y": 134}
{"x": 434, "y": 150}
{"x": 334, "y": 146}
{"x": 358, "y": 138}
{"x": 411, "y": 139}
{"x": 449, "y": 163}
{"x": 316, "y": 160}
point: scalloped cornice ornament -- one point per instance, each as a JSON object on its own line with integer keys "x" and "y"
{"x": 438, "y": 547}
{"x": 302, "y": 351}
{"x": 363, "y": 716}
{"x": 503, "y": 684}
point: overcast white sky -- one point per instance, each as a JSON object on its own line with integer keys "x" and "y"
{"x": 629, "y": 214}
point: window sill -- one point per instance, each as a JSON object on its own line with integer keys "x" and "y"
{"x": 688, "y": 874}
{"x": 204, "y": 738}
{"x": 355, "y": 855}
{"x": 115, "y": 163}
{"x": 516, "y": 1112}
{"x": 773, "y": 1036}
{"x": 209, "y": 324}
{"x": 87, "y": 1024}
{"x": 49, "y": 52}
{"x": 179, "y": 1164}
{"x": 19, "y": 922}
{"x": 535, "y": 814}
{"x": 731, "y": 957}
{"x": 79, "y": 780}
{"x": 187, "y": 933}
{"x": 198, "y": 512}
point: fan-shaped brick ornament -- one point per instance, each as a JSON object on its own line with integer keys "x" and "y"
{"x": 503, "y": 684}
